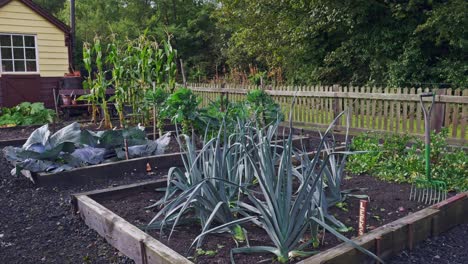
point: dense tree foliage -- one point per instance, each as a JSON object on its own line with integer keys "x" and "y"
{"x": 374, "y": 42}
{"x": 382, "y": 42}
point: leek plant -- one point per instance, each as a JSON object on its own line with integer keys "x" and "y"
{"x": 284, "y": 213}
{"x": 216, "y": 188}
{"x": 210, "y": 186}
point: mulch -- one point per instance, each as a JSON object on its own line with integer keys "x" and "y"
{"x": 448, "y": 248}
{"x": 37, "y": 224}
{"x": 388, "y": 202}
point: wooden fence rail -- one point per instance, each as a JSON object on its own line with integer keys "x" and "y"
{"x": 394, "y": 110}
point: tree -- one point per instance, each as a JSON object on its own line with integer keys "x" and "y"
{"x": 53, "y": 6}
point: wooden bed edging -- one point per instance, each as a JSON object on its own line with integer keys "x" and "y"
{"x": 401, "y": 234}
{"x": 389, "y": 239}
{"x": 102, "y": 172}
{"x": 127, "y": 238}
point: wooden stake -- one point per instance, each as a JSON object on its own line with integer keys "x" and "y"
{"x": 362, "y": 217}
{"x": 126, "y": 149}
{"x": 154, "y": 113}
{"x": 183, "y": 73}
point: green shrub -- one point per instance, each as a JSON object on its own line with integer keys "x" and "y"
{"x": 394, "y": 161}
{"x": 26, "y": 114}
{"x": 263, "y": 107}
{"x": 182, "y": 108}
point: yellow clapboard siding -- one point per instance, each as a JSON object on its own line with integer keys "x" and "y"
{"x": 24, "y": 23}
{"x": 57, "y": 55}
{"x": 15, "y": 17}
{"x": 51, "y": 61}
{"x": 47, "y": 49}
{"x": 53, "y": 37}
{"x": 26, "y": 29}
{"x": 53, "y": 70}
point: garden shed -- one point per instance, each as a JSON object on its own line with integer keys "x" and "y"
{"x": 35, "y": 53}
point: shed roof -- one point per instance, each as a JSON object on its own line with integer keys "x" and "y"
{"x": 41, "y": 11}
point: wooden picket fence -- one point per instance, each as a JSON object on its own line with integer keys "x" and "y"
{"x": 395, "y": 110}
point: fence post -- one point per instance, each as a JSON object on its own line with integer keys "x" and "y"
{"x": 336, "y": 104}
{"x": 438, "y": 113}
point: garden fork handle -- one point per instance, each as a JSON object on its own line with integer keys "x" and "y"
{"x": 427, "y": 131}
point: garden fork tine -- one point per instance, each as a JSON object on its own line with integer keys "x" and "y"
{"x": 426, "y": 189}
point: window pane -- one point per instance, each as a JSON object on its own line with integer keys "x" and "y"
{"x": 19, "y": 66}
{"x": 6, "y": 53}
{"x": 18, "y": 53}
{"x": 18, "y": 41}
{"x": 7, "y": 66}
{"x": 31, "y": 66}
{"x": 5, "y": 40}
{"x": 29, "y": 41}
{"x": 30, "y": 54}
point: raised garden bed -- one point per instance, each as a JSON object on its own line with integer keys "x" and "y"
{"x": 115, "y": 214}
{"x": 37, "y": 226}
{"x": 17, "y": 136}
{"x": 136, "y": 166}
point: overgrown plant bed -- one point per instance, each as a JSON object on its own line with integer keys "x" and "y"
{"x": 135, "y": 166}
{"x": 117, "y": 212}
{"x": 17, "y": 136}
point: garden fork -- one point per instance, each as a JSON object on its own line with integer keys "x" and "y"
{"x": 426, "y": 189}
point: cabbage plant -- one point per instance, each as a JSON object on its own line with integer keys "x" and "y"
{"x": 70, "y": 147}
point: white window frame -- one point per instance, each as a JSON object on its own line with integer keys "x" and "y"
{"x": 24, "y": 51}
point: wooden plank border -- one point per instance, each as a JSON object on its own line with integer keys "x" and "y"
{"x": 125, "y": 237}
{"x": 388, "y": 239}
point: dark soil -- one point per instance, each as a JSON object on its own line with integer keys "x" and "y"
{"x": 448, "y": 248}
{"x": 388, "y": 202}
{"x": 37, "y": 224}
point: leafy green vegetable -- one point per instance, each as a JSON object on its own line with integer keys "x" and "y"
{"x": 26, "y": 114}
{"x": 70, "y": 147}
{"x": 400, "y": 159}
{"x": 182, "y": 108}
{"x": 263, "y": 107}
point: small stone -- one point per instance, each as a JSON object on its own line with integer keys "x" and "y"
{"x": 2, "y": 235}
{"x": 437, "y": 257}
{"x": 401, "y": 209}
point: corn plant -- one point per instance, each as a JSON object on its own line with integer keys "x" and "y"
{"x": 88, "y": 83}
{"x": 115, "y": 59}
{"x": 171, "y": 65}
{"x": 101, "y": 84}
